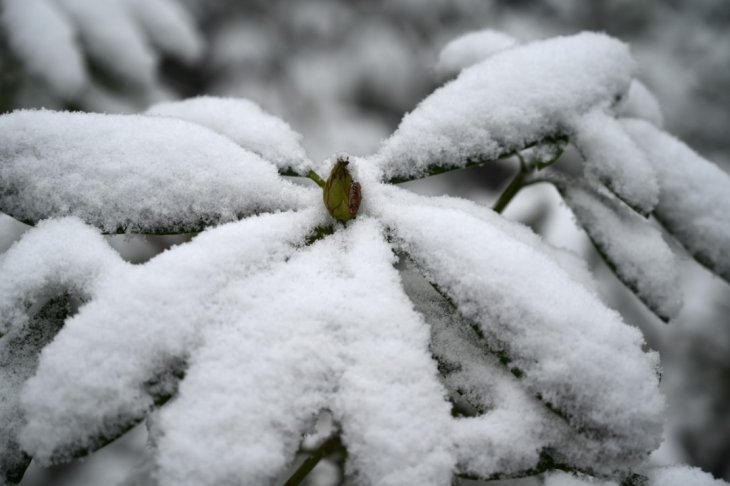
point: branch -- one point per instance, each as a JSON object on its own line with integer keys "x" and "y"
{"x": 327, "y": 447}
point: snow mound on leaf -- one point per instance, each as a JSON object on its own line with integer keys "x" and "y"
{"x": 126, "y": 348}
{"x": 132, "y": 173}
{"x": 52, "y": 258}
{"x": 472, "y": 48}
{"x": 694, "y": 203}
{"x": 517, "y": 97}
{"x": 640, "y": 103}
{"x": 245, "y": 123}
{"x": 575, "y": 354}
{"x": 338, "y": 333}
{"x": 634, "y": 246}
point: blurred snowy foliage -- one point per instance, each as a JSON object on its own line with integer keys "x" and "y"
{"x": 343, "y": 73}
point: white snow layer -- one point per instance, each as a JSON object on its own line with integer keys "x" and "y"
{"x": 121, "y": 351}
{"x": 48, "y": 36}
{"x": 132, "y": 173}
{"x": 246, "y": 124}
{"x": 472, "y": 48}
{"x": 512, "y": 99}
{"x": 640, "y": 103}
{"x": 682, "y": 476}
{"x": 632, "y": 245}
{"x": 575, "y": 354}
{"x": 338, "y": 333}
{"x": 694, "y": 202}
{"x": 614, "y": 159}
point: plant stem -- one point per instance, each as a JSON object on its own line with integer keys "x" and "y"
{"x": 511, "y": 190}
{"x": 313, "y": 175}
{"x": 306, "y": 467}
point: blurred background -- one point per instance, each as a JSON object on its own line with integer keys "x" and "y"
{"x": 343, "y": 73}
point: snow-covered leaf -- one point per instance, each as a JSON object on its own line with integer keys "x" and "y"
{"x": 633, "y": 247}
{"x": 126, "y": 348}
{"x": 53, "y": 37}
{"x": 245, "y": 123}
{"x": 19, "y": 352}
{"x": 640, "y": 103}
{"x": 132, "y": 173}
{"x": 694, "y": 200}
{"x": 573, "y": 352}
{"x": 613, "y": 159}
{"x": 515, "y": 98}
{"x": 472, "y": 48}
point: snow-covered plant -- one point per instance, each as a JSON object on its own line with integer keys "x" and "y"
{"x": 443, "y": 339}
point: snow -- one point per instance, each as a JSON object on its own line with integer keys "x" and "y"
{"x": 574, "y": 353}
{"x": 612, "y": 158}
{"x": 281, "y": 360}
{"x": 54, "y": 257}
{"x": 682, "y": 476}
{"x": 640, "y": 103}
{"x": 133, "y": 173}
{"x": 169, "y": 27}
{"x": 516, "y": 97}
{"x": 53, "y": 37}
{"x": 632, "y": 245}
{"x": 694, "y": 205}
{"x": 472, "y": 48}
{"x": 120, "y": 352}
{"x": 245, "y": 123}
{"x": 43, "y": 39}
{"x": 112, "y": 38}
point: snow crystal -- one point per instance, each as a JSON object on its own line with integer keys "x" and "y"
{"x": 514, "y": 98}
{"x": 632, "y": 245}
{"x": 112, "y": 38}
{"x": 613, "y": 159}
{"x": 246, "y": 124}
{"x": 132, "y": 173}
{"x": 640, "y": 103}
{"x": 576, "y": 354}
{"x": 43, "y": 40}
{"x": 124, "y": 349}
{"x": 168, "y": 27}
{"x": 694, "y": 204}
{"x": 472, "y": 48}
{"x": 339, "y": 332}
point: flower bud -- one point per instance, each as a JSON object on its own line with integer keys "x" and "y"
{"x": 342, "y": 196}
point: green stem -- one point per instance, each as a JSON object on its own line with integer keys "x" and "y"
{"x": 306, "y": 467}
{"x": 313, "y": 175}
{"x": 510, "y": 191}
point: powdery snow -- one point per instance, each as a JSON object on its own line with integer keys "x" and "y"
{"x": 614, "y": 159}
{"x": 632, "y": 245}
{"x": 514, "y": 98}
{"x": 575, "y": 354}
{"x": 246, "y": 124}
{"x": 472, "y": 48}
{"x": 133, "y": 173}
{"x": 694, "y": 202}
{"x": 124, "y": 349}
{"x": 640, "y": 103}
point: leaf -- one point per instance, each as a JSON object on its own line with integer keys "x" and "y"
{"x": 614, "y": 160}
{"x": 19, "y": 351}
{"x": 122, "y": 353}
{"x": 246, "y": 124}
{"x": 694, "y": 199}
{"x": 514, "y": 99}
{"x": 130, "y": 173}
{"x": 631, "y": 246}
{"x": 577, "y": 356}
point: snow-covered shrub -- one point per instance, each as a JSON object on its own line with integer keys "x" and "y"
{"x": 443, "y": 339}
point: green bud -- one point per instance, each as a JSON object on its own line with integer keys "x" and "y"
{"x": 342, "y": 196}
